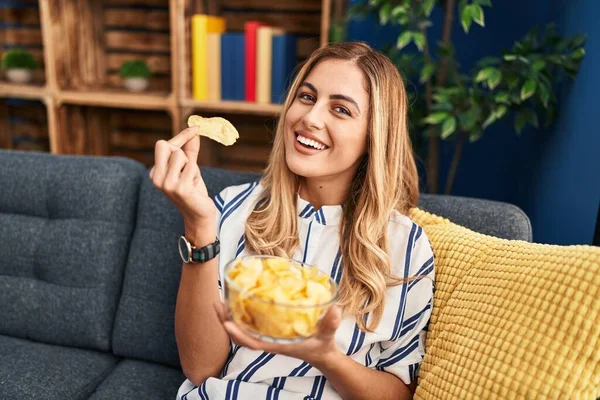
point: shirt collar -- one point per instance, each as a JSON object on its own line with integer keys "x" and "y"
{"x": 326, "y": 215}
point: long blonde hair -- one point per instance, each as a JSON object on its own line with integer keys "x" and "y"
{"x": 386, "y": 180}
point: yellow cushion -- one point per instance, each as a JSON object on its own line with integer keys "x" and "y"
{"x": 511, "y": 319}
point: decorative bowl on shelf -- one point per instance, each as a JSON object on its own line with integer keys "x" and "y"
{"x": 19, "y": 75}
{"x": 19, "y": 65}
{"x": 277, "y": 299}
{"x": 135, "y": 74}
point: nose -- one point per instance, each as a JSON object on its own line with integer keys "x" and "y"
{"x": 313, "y": 119}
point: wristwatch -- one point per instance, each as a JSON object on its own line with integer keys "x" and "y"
{"x": 190, "y": 254}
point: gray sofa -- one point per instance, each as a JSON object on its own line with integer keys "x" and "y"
{"x": 89, "y": 271}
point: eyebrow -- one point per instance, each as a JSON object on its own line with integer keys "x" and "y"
{"x": 333, "y": 96}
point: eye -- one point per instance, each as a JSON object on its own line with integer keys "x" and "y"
{"x": 341, "y": 110}
{"x": 307, "y": 97}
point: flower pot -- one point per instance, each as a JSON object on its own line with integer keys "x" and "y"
{"x": 19, "y": 75}
{"x": 136, "y": 84}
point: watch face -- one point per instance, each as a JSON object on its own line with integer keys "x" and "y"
{"x": 185, "y": 250}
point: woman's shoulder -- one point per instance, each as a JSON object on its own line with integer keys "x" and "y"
{"x": 399, "y": 221}
{"x": 248, "y": 189}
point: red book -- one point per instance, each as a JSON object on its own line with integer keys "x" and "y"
{"x": 250, "y": 29}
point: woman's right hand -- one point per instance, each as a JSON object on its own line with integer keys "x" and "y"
{"x": 177, "y": 175}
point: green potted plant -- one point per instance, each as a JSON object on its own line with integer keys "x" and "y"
{"x": 19, "y": 65}
{"x": 135, "y": 74}
{"x": 457, "y": 105}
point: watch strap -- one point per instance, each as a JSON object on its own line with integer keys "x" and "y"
{"x": 206, "y": 253}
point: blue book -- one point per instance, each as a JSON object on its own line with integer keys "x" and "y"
{"x": 239, "y": 69}
{"x": 227, "y": 62}
{"x": 282, "y": 65}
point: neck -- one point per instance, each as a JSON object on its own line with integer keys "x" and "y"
{"x": 323, "y": 192}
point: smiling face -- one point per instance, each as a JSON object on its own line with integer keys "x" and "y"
{"x": 326, "y": 124}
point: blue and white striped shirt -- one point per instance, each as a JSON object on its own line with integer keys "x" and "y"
{"x": 398, "y": 344}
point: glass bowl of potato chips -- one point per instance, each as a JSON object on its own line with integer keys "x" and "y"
{"x": 277, "y": 299}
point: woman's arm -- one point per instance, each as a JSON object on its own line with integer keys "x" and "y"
{"x": 354, "y": 381}
{"x": 202, "y": 342}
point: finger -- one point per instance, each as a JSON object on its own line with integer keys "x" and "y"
{"x": 151, "y": 172}
{"x": 189, "y": 141}
{"x": 177, "y": 162}
{"x": 243, "y": 338}
{"x": 190, "y": 172}
{"x": 221, "y": 310}
{"x": 162, "y": 153}
{"x": 184, "y": 136}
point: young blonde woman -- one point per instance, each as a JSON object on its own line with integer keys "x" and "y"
{"x": 336, "y": 193}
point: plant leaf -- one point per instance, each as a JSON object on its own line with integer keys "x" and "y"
{"x": 428, "y": 7}
{"x": 419, "y": 40}
{"x": 398, "y": 11}
{"x": 544, "y": 94}
{"x": 501, "y": 97}
{"x": 510, "y": 57}
{"x": 436, "y": 118}
{"x": 539, "y": 65}
{"x": 578, "y": 54}
{"x": 426, "y": 72}
{"x": 466, "y": 18}
{"x": 384, "y": 13}
{"x": 490, "y": 120}
{"x": 484, "y": 74}
{"x": 500, "y": 111}
{"x": 495, "y": 78}
{"x": 404, "y": 39}
{"x": 528, "y": 89}
{"x": 477, "y": 14}
{"x": 448, "y": 127}
{"x": 487, "y": 3}
{"x": 520, "y": 121}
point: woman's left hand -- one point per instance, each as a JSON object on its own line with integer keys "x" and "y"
{"x": 312, "y": 350}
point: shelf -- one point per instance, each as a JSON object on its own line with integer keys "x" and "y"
{"x": 16, "y": 91}
{"x": 234, "y": 107}
{"x": 115, "y": 99}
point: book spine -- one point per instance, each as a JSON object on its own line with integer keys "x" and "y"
{"x": 199, "y": 74}
{"x": 250, "y": 29}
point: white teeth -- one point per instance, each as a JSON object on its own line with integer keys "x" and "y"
{"x": 310, "y": 142}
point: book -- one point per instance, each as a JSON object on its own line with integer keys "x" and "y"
{"x": 232, "y": 66}
{"x": 239, "y": 68}
{"x": 250, "y": 29}
{"x": 202, "y": 25}
{"x": 284, "y": 61}
{"x": 214, "y": 67}
{"x": 264, "y": 55}
{"x": 227, "y": 62}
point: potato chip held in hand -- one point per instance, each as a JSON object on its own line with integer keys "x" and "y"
{"x": 215, "y": 128}
{"x": 277, "y": 299}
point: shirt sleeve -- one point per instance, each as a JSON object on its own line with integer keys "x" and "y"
{"x": 403, "y": 353}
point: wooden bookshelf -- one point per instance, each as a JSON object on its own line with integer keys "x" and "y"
{"x": 80, "y": 45}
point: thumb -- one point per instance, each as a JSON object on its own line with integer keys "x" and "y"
{"x": 330, "y": 321}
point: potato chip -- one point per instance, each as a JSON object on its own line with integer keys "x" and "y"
{"x": 281, "y": 299}
{"x": 216, "y": 128}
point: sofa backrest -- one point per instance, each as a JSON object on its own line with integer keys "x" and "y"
{"x": 144, "y": 324}
{"x": 65, "y": 227}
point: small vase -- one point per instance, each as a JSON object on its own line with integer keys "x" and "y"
{"x": 19, "y": 75}
{"x": 136, "y": 84}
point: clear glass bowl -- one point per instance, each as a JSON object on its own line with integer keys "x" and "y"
{"x": 270, "y": 320}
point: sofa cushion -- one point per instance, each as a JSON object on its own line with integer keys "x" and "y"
{"x": 43, "y": 371}
{"x": 495, "y": 218}
{"x": 133, "y": 379}
{"x": 144, "y": 325}
{"x": 65, "y": 227}
{"x": 510, "y": 319}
